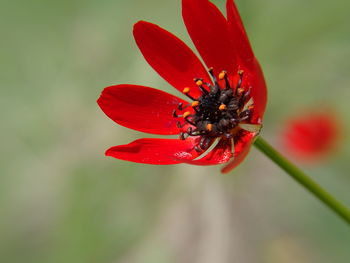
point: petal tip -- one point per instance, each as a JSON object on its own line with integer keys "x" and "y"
{"x": 224, "y": 171}
{"x": 141, "y": 25}
{"x": 108, "y": 152}
{"x": 100, "y": 100}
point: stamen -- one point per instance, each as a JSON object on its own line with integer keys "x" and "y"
{"x": 240, "y": 91}
{"x": 222, "y": 75}
{"x": 209, "y": 127}
{"x": 186, "y": 114}
{"x": 248, "y": 92}
{"x": 222, "y": 107}
{"x": 221, "y": 112}
{"x": 195, "y": 103}
{"x": 189, "y": 121}
{"x": 182, "y": 136}
{"x": 213, "y": 88}
{"x": 186, "y": 90}
{"x": 198, "y": 150}
{"x": 199, "y": 82}
{"x": 175, "y": 114}
{"x": 240, "y": 73}
{"x": 203, "y": 90}
{"x": 211, "y": 72}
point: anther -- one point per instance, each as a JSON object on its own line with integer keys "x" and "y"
{"x": 199, "y": 82}
{"x": 209, "y": 127}
{"x": 240, "y": 73}
{"x": 222, "y": 107}
{"x": 195, "y": 103}
{"x": 222, "y": 75}
{"x": 240, "y": 91}
{"x": 186, "y": 90}
{"x": 186, "y": 114}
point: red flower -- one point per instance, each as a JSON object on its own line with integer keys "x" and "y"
{"x": 226, "y": 106}
{"x": 311, "y": 136}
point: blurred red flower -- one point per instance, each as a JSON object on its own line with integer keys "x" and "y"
{"x": 227, "y": 105}
{"x": 311, "y": 136}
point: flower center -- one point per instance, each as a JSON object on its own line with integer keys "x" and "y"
{"x": 217, "y": 112}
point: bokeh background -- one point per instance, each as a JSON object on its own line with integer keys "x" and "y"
{"x": 62, "y": 200}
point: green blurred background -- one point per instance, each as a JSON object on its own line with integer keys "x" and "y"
{"x": 62, "y": 200}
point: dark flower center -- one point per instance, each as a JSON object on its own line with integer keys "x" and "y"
{"x": 218, "y": 112}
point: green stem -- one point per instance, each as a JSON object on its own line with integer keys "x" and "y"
{"x": 303, "y": 179}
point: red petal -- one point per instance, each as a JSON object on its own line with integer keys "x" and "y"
{"x": 209, "y": 31}
{"x": 242, "y": 148}
{"x": 154, "y": 151}
{"x": 141, "y": 108}
{"x": 246, "y": 59}
{"x": 220, "y": 154}
{"x": 170, "y": 57}
{"x": 241, "y": 41}
{"x": 254, "y": 78}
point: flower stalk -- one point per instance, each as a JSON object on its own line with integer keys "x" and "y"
{"x": 303, "y": 179}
